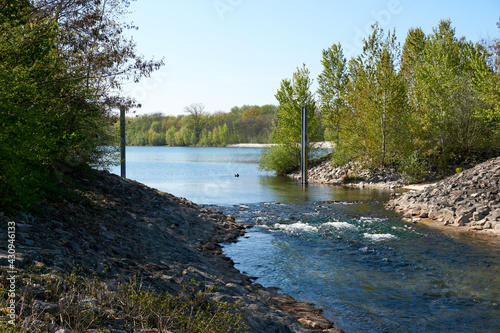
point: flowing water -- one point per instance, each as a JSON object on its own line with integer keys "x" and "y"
{"x": 336, "y": 247}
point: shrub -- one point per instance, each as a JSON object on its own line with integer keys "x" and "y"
{"x": 280, "y": 158}
{"x": 414, "y": 167}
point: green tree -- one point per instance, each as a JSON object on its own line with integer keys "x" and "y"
{"x": 61, "y": 66}
{"x": 250, "y": 125}
{"x": 196, "y": 118}
{"x": 391, "y": 103}
{"x": 411, "y": 57}
{"x": 485, "y": 60}
{"x": 292, "y": 96}
{"x": 252, "y": 112}
{"x": 185, "y": 137}
{"x": 376, "y": 100}
{"x": 412, "y": 160}
{"x": 154, "y": 134}
{"x": 446, "y": 100}
{"x": 206, "y": 138}
{"x": 268, "y": 109}
{"x": 215, "y": 136}
{"x": 332, "y": 87}
{"x": 224, "y": 134}
{"x": 170, "y": 136}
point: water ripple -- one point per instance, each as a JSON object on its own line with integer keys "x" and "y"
{"x": 369, "y": 271}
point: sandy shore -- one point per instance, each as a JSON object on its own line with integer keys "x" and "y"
{"x": 418, "y": 187}
{"x": 249, "y": 145}
{"x": 320, "y": 144}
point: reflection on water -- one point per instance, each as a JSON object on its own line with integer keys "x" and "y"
{"x": 206, "y": 176}
{"x": 285, "y": 189}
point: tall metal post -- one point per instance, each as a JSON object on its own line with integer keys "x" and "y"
{"x": 122, "y": 141}
{"x": 303, "y": 155}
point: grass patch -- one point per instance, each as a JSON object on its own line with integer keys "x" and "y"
{"x": 353, "y": 179}
{"x": 47, "y": 302}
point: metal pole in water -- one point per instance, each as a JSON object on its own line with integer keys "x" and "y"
{"x": 122, "y": 141}
{"x": 303, "y": 160}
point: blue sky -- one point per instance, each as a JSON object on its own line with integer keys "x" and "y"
{"x": 225, "y": 53}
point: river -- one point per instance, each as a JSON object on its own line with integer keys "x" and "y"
{"x": 334, "y": 246}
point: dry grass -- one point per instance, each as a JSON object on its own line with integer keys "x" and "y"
{"x": 47, "y": 302}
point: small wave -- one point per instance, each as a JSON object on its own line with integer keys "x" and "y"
{"x": 340, "y": 225}
{"x": 371, "y": 219}
{"x": 296, "y": 227}
{"x": 379, "y": 237}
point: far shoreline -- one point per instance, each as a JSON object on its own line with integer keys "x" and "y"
{"x": 249, "y": 145}
{"x": 319, "y": 145}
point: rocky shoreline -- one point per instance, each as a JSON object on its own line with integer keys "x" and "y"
{"x": 351, "y": 175}
{"x": 117, "y": 228}
{"x": 469, "y": 200}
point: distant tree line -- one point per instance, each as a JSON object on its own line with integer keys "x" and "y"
{"x": 248, "y": 123}
{"x": 419, "y": 107}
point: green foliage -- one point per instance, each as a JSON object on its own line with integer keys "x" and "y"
{"x": 376, "y": 102}
{"x": 282, "y": 159}
{"x": 485, "y": 61}
{"x": 435, "y": 102}
{"x": 414, "y": 167}
{"x": 56, "y": 90}
{"x": 292, "y": 96}
{"x": 198, "y": 128}
{"x": 446, "y": 111}
{"x": 38, "y": 105}
{"x": 332, "y": 88}
{"x": 340, "y": 156}
{"x": 353, "y": 179}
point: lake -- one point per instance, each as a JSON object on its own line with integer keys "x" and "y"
{"x": 337, "y": 247}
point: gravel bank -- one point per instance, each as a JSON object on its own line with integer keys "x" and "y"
{"x": 117, "y": 228}
{"x": 351, "y": 175}
{"x": 469, "y": 200}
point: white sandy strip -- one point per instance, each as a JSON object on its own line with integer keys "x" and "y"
{"x": 418, "y": 187}
{"x": 249, "y": 145}
{"x": 321, "y": 144}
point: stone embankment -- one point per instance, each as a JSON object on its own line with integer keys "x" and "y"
{"x": 469, "y": 200}
{"x": 351, "y": 175}
{"x": 117, "y": 228}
